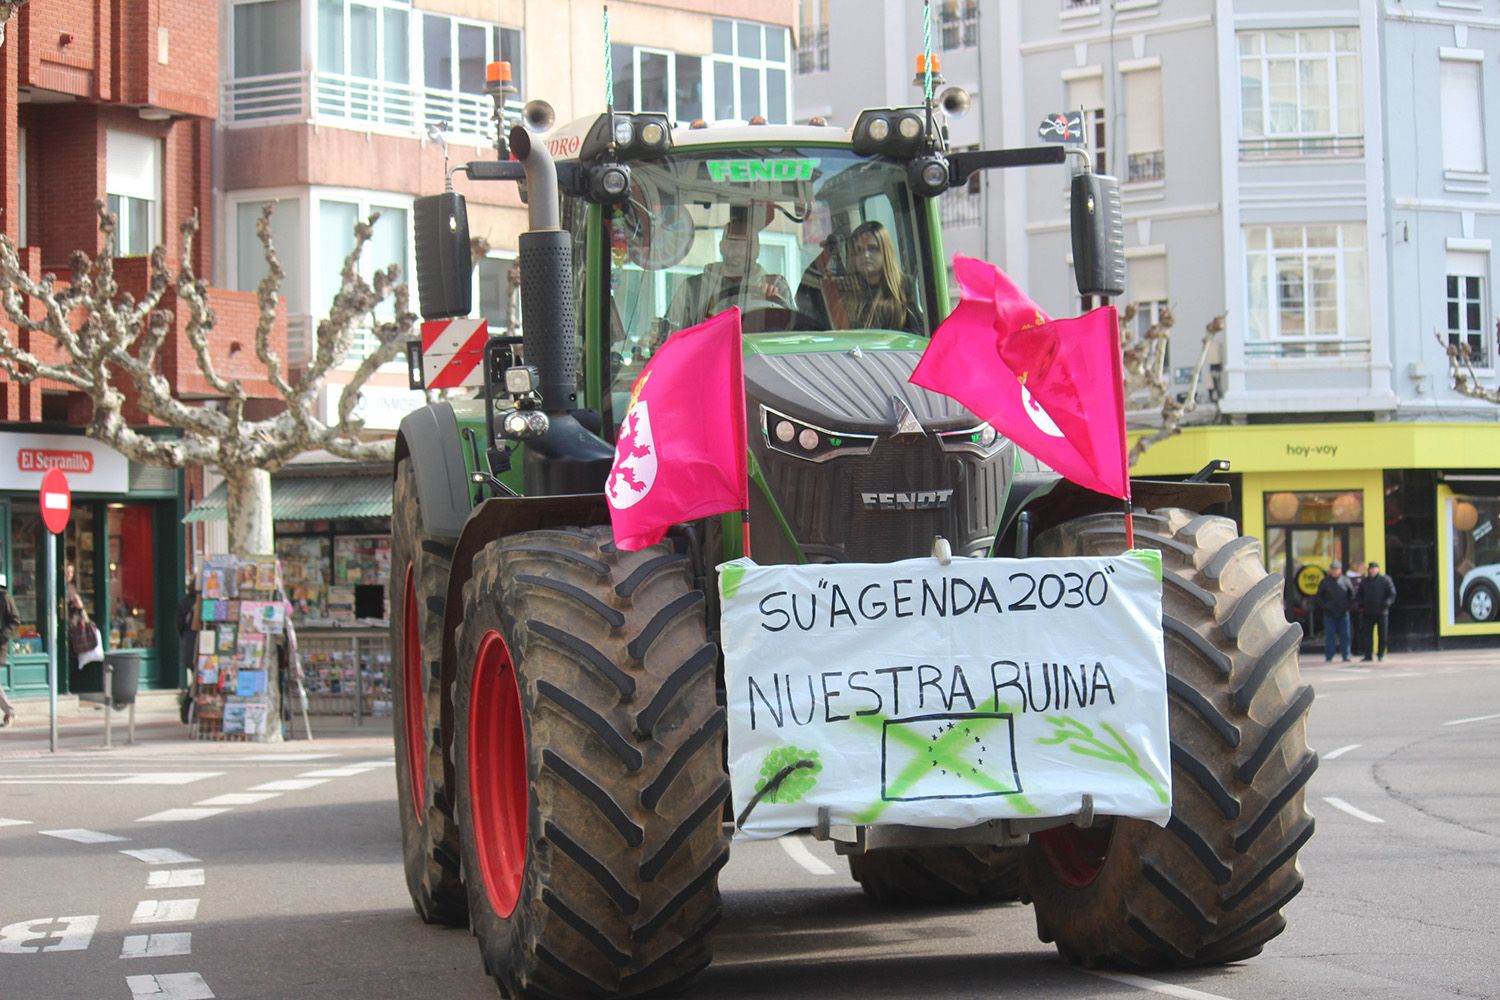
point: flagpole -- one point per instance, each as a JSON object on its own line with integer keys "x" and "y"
{"x": 745, "y": 530}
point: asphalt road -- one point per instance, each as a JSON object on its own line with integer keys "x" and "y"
{"x": 274, "y": 872}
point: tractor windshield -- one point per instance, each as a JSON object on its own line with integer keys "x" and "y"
{"x": 800, "y": 239}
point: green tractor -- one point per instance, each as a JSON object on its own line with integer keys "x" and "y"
{"x": 560, "y": 716}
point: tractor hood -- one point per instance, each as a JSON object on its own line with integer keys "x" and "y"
{"x": 853, "y": 390}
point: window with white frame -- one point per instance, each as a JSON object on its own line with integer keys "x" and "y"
{"x": 1300, "y": 93}
{"x": 648, "y": 79}
{"x": 497, "y": 281}
{"x": 1086, "y": 94}
{"x": 288, "y": 239}
{"x": 1145, "y": 148}
{"x": 1463, "y": 113}
{"x": 1147, "y": 289}
{"x": 133, "y": 190}
{"x": 333, "y": 238}
{"x": 1466, "y": 306}
{"x": 1306, "y": 290}
{"x": 812, "y": 37}
{"x": 367, "y": 41}
{"x": 960, "y": 24}
{"x": 267, "y": 38}
{"x": 751, "y": 71}
{"x": 455, "y": 52}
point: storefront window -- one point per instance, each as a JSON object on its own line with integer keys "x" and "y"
{"x": 27, "y": 536}
{"x": 79, "y": 553}
{"x": 132, "y": 576}
{"x": 1305, "y": 532}
{"x": 1475, "y": 558}
{"x": 304, "y": 568}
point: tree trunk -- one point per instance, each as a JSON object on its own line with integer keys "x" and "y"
{"x": 249, "y": 492}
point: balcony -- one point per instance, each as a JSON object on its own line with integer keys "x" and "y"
{"x": 355, "y": 102}
{"x": 1317, "y": 348}
{"x": 1145, "y": 167}
{"x": 1279, "y": 147}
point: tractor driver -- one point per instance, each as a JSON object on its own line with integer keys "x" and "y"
{"x": 737, "y": 280}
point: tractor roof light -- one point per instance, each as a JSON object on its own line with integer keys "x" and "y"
{"x": 895, "y": 132}
{"x": 928, "y": 176}
{"x": 653, "y": 134}
{"x": 622, "y": 131}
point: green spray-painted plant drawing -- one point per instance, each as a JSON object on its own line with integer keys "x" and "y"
{"x": 797, "y": 782}
{"x": 1087, "y": 744}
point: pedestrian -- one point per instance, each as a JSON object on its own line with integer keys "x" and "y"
{"x": 1376, "y": 595}
{"x": 10, "y": 619}
{"x": 1334, "y": 598}
{"x": 1356, "y": 575}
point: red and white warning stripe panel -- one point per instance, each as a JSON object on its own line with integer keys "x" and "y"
{"x": 453, "y": 352}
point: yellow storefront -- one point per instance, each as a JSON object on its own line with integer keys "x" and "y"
{"x": 1423, "y": 500}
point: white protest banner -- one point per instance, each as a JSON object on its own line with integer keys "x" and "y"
{"x": 946, "y": 695}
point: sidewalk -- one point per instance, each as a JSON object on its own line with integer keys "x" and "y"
{"x": 80, "y": 726}
{"x": 1429, "y": 659}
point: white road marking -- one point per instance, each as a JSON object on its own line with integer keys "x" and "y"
{"x": 337, "y": 772}
{"x": 1477, "y": 718}
{"x": 180, "y": 815}
{"x": 1343, "y": 806}
{"x": 1403, "y": 673}
{"x": 1336, "y": 754}
{"x": 1166, "y": 989}
{"x": 83, "y": 836}
{"x": 164, "y": 911}
{"x": 107, "y": 778}
{"x": 74, "y": 934}
{"x": 161, "y": 856}
{"x": 175, "y": 878}
{"x": 157, "y": 945}
{"x": 14, "y": 822}
{"x": 290, "y": 785}
{"x": 288, "y": 758}
{"x": 176, "y": 986}
{"x": 238, "y": 799}
{"x": 799, "y": 853}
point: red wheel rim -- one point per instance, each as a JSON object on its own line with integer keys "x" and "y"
{"x": 1075, "y": 856}
{"x": 412, "y": 685}
{"x": 497, "y": 773}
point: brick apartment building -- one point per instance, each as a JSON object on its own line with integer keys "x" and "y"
{"x": 115, "y": 102}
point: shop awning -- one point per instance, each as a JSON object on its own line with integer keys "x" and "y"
{"x": 312, "y": 498}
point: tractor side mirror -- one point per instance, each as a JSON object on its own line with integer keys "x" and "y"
{"x": 441, "y": 224}
{"x": 1098, "y": 223}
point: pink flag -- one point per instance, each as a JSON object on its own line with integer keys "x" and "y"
{"x": 1052, "y": 386}
{"x": 681, "y": 453}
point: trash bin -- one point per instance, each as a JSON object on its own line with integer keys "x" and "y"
{"x": 88, "y": 681}
{"x": 127, "y": 679}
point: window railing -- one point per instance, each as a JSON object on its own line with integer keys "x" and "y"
{"x": 812, "y": 54}
{"x": 1299, "y": 145}
{"x": 1068, "y": 5}
{"x": 1307, "y": 347}
{"x": 1471, "y": 348}
{"x": 962, "y": 206}
{"x": 1150, "y": 166}
{"x": 333, "y": 97}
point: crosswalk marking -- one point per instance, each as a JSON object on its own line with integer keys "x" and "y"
{"x": 799, "y": 853}
{"x": 157, "y": 945}
{"x": 289, "y": 785}
{"x": 176, "y": 986}
{"x": 338, "y": 772}
{"x": 112, "y": 778}
{"x": 161, "y": 856}
{"x": 164, "y": 911}
{"x": 180, "y": 815}
{"x": 175, "y": 878}
{"x": 80, "y": 836}
{"x": 14, "y": 822}
{"x": 238, "y": 799}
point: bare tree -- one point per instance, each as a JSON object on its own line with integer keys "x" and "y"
{"x": 1144, "y": 362}
{"x": 1461, "y": 368}
{"x": 8, "y": 9}
{"x": 109, "y": 341}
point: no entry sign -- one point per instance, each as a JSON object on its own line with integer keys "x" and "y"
{"x": 57, "y": 501}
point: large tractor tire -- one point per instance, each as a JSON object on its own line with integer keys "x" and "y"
{"x": 419, "y": 581}
{"x": 957, "y": 874}
{"x": 588, "y": 751}
{"x": 1210, "y": 887}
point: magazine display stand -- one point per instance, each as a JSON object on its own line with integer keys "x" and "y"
{"x": 242, "y": 632}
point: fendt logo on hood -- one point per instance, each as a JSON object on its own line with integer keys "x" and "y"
{"x": 915, "y": 500}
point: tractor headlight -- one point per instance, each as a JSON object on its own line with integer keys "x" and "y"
{"x": 652, "y": 133}
{"x": 879, "y": 129}
{"x": 624, "y": 132}
{"x": 799, "y": 439}
{"x": 983, "y": 440}
{"x": 910, "y": 127}
{"x": 609, "y": 183}
{"x": 928, "y": 176}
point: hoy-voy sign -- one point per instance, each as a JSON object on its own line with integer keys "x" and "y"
{"x": 945, "y": 695}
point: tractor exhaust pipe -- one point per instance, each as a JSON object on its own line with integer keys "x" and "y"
{"x": 549, "y": 332}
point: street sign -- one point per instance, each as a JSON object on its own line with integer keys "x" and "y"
{"x": 57, "y": 501}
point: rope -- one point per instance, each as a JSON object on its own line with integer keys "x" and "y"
{"x": 609, "y": 66}
{"x": 927, "y": 50}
